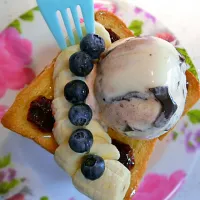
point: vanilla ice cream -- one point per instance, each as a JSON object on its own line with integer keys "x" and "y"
{"x": 141, "y": 87}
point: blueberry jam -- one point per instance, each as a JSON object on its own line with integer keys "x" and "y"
{"x": 113, "y": 36}
{"x": 40, "y": 114}
{"x": 126, "y": 154}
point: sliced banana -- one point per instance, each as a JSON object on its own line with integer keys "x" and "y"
{"x": 115, "y": 180}
{"x": 112, "y": 185}
{"x": 67, "y": 159}
{"x": 101, "y": 140}
{"x": 96, "y": 129}
{"x": 70, "y": 161}
{"x": 62, "y": 61}
{"x": 106, "y": 151}
{"x": 60, "y": 108}
{"x": 61, "y": 80}
{"x": 64, "y": 77}
{"x": 63, "y": 130}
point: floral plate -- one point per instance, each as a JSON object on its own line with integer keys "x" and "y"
{"x": 29, "y": 172}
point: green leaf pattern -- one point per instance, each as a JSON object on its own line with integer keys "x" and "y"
{"x": 194, "y": 116}
{"x": 188, "y": 60}
{"x": 5, "y": 187}
{"x": 5, "y": 161}
{"x": 16, "y": 24}
{"x": 36, "y": 8}
{"x": 28, "y": 16}
{"x": 175, "y": 135}
{"x": 136, "y": 27}
{"x": 44, "y": 198}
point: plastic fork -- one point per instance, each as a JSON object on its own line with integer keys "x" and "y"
{"x": 49, "y": 10}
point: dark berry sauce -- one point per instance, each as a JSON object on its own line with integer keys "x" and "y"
{"x": 113, "y": 36}
{"x": 126, "y": 154}
{"x": 40, "y": 114}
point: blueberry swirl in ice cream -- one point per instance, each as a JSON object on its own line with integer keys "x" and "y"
{"x": 141, "y": 87}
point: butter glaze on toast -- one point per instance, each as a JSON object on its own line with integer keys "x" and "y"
{"x": 16, "y": 117}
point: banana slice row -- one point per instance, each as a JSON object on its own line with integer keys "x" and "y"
{"x": 115, "y": 180}
{"x": 112, "y": 185}
{"x": 71, "y": 161}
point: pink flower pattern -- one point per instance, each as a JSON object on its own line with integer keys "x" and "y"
{"x": 17, "y": 197}
{"x": 2, "y": 176}
{"x": 111, "y": 7}
{"x": 138, "y": 10}
{"x": 151, "y": 17}
{"x": 166, "y": 36}
{"x": 15, "y": 56}
{"x": 160, "y": 187}
{"x": 81, "y": 20}
{"x": 147, "y": 15}
{"x": 8, "y": 174}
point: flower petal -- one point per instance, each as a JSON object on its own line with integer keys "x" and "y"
{"x": 20, "y": 78}
{"x": 2, "y": 86}
{"x": 157, "y": 187}
{"x": 166, "y": 36}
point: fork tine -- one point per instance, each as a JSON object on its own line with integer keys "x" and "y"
{"x": 68, "y": 26}
{"x": 77, "y": 22}
{"x": 88, "y": 15}
{"x": 53, "y": 23}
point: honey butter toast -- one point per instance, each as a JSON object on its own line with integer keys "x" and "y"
{"x": 116, "y": 155}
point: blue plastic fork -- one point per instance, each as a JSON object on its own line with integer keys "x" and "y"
{"x": 49, "y": 10}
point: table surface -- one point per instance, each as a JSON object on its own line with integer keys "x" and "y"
{"x": 185, "y": 25}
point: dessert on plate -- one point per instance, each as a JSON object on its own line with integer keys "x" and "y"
{"x": 102, "y": 104}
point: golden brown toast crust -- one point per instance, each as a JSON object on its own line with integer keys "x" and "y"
{"x": 111, "y": 21}
{"x": 16, "y": 117}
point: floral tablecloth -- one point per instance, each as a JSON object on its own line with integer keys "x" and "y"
{"x": 171, "y": 13}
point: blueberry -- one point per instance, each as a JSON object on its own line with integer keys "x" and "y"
{"x": 93, "y": 167}
{"x": 81, "y": 140}
{"x": 76, "y": 91}
{"x": 80, "y": 63}
{"x": 80, "y": 114}
{"x": 93, "y": 45}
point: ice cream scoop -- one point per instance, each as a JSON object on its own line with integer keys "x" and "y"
{"x": 141, "y": 87}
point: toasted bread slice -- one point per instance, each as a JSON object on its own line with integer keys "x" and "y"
{"x": 114, "y": 23}
{"x": 16, "y": 117}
